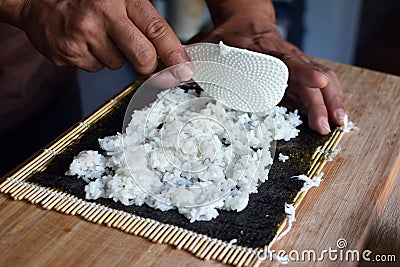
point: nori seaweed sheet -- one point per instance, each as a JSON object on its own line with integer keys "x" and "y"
{"x": 255, "y": 226}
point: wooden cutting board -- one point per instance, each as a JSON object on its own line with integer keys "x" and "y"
{"x": 357, "y": 201}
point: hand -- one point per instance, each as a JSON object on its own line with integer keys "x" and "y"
{"x": 311, "y": 85}
{"x": 94, "y": 34}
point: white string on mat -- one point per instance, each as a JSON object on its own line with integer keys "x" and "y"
{"x": 348, "y": 125}
{"x": 308, "y": 182}
{"x": 291, "y": 217}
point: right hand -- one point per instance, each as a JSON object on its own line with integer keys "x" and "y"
{"x": 311, "y": 85}
{"x": 94, "y": 34}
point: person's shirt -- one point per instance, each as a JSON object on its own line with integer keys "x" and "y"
{"x": 28, "y": 81}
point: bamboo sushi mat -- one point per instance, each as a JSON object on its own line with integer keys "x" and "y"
{"x": 202, "y": 246}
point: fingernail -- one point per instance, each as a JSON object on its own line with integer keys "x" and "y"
{"x": 325, "y": 124}
{"x": 339, "y": 114}
{"x": 184, "y": 72}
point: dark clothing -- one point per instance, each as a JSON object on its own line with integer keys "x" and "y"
{"x": 28, "y": 81}
{"x": 34, "y": 108}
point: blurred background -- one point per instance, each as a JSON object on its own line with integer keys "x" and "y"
{"x": 358, "y": 32}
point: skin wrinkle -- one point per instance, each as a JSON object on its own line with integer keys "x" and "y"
{"x": 114, "y": 63}
{"x": 174, "y": 54}
{"x": 156, "y": 29}
{"x": 145, "y": 58}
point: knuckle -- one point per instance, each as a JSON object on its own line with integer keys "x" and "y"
{"x": 146, "y": 56}
{"x": 157, "y": 28}
{"x": 172, "y": 55}
{"x": 71, "y": 52}
{"x": 59, "y": 62}
{"x": 116, "y": 64}
{"x": 336, "y": 98}
{"x": 98, "y": 68}
{"x": 69, "y": 48}
{"x": 83, "y": 23}
{"x": 138, "y": 4}
{"x": 89, "y": 27}
{"x": 92, "y": 67}
{"x": 144, "y": 68}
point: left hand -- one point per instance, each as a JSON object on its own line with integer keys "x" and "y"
{"x": 95, "y": 34}
{"x": 313, "y": 86}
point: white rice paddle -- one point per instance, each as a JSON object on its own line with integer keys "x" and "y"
{"x": 241, "y": 79}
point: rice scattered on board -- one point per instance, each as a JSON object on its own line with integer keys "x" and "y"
{"x": 282, "y": 157}
{"x": 188, "y": 153}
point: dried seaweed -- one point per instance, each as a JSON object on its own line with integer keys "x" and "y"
{"x": 255, "y": 226}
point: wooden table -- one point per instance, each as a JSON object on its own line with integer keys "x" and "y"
{"x": 357, "y": 201}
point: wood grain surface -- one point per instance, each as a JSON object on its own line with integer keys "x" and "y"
{"x": 357, "y": 201}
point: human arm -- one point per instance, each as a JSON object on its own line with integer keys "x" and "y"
{"x": 252, "y": 26}
{"x": 94, "y": 34}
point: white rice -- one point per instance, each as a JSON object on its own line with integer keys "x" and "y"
{"x": 205, "y": 156}
{"x": 282, "y": 157}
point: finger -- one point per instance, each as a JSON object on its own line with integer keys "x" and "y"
{"x": 83, "y": 59}
{"x": 313, "y": 102}
{"x": 163, "y": 80}
{"x": 59, "y": 61}
{"x": 107, "y": 53}
{"x": 333, "y": 96}
{"x": 157, "y": 30}
{"x": 91, "y": 63}
{"x": 136, "y": 47}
